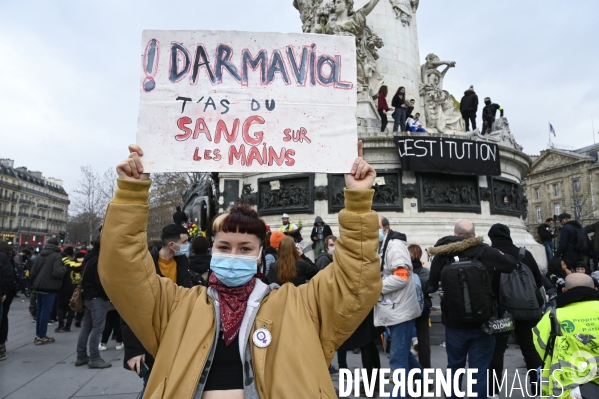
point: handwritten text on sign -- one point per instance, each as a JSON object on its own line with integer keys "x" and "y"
{"x": 247, "y": 102}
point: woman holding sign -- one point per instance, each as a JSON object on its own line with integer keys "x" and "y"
{"x": 239, "y": 338}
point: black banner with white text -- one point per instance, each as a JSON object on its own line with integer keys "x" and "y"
{"x": 448, "y": 155}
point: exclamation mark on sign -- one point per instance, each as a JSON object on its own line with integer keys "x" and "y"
{"x": 150, "y": 64}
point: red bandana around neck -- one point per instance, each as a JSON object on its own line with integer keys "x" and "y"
{"x": 233, "y": 302}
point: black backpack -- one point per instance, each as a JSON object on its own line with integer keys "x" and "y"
{"x": 518, "y": 292}
{"x": 582, "y": 242}
{"x": 467, "y": 290}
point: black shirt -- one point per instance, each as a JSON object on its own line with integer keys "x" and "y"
{"x": 226, "y": 370}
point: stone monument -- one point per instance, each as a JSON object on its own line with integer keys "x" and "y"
{"x": 425, "y": 206}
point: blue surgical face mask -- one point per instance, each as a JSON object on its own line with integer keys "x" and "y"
{"x": 183, "y": 250}
{"x": 234, "y": 270}
{"x": 381, "y": 235}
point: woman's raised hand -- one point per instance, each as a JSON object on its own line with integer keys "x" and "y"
{"x": 362, "y": 174}
{"x": 131, "y": 168}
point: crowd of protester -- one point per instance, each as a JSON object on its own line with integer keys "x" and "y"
{"x": 401, "y": 313}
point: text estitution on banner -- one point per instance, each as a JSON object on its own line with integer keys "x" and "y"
{"x": 448, "y": 155}
{"x": 247, "y": 102}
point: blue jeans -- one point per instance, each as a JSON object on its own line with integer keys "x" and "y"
{"x": 475, "y": 345}
{"x": 414, "y": 129}
{"x": 399, "y": 119}
{"x": 43, "y": 307}
{"x": 94, "y": 320}
{"x": 400, "y": 355}
{"x": 548, "y": 249}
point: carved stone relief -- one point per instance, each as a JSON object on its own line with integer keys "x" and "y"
{"x": 507, "y": 197}
{"x": 286, "y": 194}
{"x": 248, "y": 196}
{"x": 449, "y": 193}
{"x": 321, "y": 193}
{"x": 409, "y": 190}
{"x": 387, "y": 191}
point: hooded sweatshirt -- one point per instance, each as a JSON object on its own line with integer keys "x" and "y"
{"x": 502, "y": 240}
{"x": 48, "y": 269}
{"x": 326, "y": 231}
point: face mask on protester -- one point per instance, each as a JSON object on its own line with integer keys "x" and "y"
{"x": 381, "y": 235}
{"x": 233, "y": 270}
{"x": 183, "y": 250}
{"x": 330, "y": 250}
{"x": 488, "y": 102}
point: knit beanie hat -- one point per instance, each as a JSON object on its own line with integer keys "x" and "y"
{"x": 276, "y": 238}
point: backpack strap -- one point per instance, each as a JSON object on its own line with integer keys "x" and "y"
{"x": 521, "y": 254}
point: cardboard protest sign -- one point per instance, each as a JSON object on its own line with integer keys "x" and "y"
{"x": 230, "y": 101}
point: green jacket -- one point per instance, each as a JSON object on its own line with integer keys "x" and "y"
{"x": 575, "y": 355}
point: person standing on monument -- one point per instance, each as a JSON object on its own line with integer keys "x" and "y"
{"x": 489, "y": 113}
{"x": 383, "y": 107}
{"x": 468, "y": 108}
{"x": 401, "y": 109}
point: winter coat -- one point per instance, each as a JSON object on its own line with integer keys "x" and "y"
{"x": 305, "y": 271}
{"x": 178, "y": 325}
{"x": 324, "y": 259}
{"x": 183, "y": 276}
{"x": 199, "y": 268}
{"x": 450, "y": 246}
{"x": 71, "y": 278}
{"x": 490, "y": 111}
{"x": 199, "y": 264}
{"x": 326, "y": 231}
{"x": 568, "y": 237}
{"x": 545, "y": 233}
{"x": 469, "y": 102}
{"x": 91, "y": 284}
{"x": 594, "y": 228}
{"x": 47, "y": 270}
{"x": 502, "y": 241}
{"x": 398, "y": 302}
{"x": 423, "y": 274}
{"x": 7, "y": 275}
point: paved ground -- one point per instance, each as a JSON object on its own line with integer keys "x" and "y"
{"x": 48, "y": 371}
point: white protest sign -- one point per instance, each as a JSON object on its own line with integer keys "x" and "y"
{"x": 230, "y": 101}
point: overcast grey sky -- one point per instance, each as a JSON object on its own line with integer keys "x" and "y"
{"x": 69, "y": 70}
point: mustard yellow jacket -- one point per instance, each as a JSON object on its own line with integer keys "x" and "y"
{"x": 176, "y": 325}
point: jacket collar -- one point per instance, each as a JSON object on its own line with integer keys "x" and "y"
{"x": 455, "y": 245}
{"x": 575, "y": 295}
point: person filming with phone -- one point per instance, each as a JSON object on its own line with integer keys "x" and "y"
{"x": 239, "y": 338}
